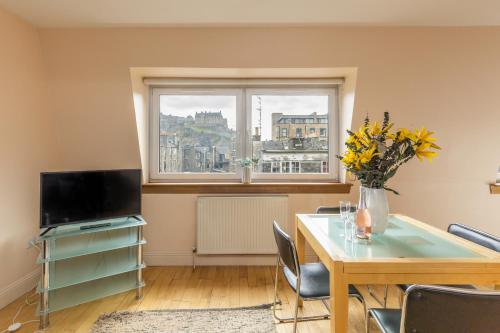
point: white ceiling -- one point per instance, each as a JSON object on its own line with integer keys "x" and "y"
{"x": 99, "y": 13}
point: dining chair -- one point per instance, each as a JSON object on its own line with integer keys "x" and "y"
{"x": 310, "y": 282}
{"x": 474, "y": 235}
{"x": 437, "y": 309}
{"x": 336, "y": 210}
{"x": 471, "y": 234}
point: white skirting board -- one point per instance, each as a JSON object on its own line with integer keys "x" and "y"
{"x": 186, "y": 259}
{"x": 16, "y": 289}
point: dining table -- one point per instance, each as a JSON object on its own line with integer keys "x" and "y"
{"x": 408, "y": 252}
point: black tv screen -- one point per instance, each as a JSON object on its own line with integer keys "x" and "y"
{"x": 75, "y": 197}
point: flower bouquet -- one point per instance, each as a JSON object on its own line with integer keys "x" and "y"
{"x": 374, "y": 154}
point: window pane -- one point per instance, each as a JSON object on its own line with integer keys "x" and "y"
{"x": 290, "y": 133}
{"x": 197, "y": 134}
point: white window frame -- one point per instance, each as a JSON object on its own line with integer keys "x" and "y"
{"x": 333, "y": 133}
{"x": 154, "y": 131}
{"x": 243, "y": 89}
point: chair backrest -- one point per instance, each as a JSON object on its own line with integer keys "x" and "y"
{"x": 476, "y": 236}
{"x": 436, "y": 309}
{"x": 332, "y": 210}
{"x": 286, "y": 249}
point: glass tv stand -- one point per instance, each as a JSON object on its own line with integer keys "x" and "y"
{"x": 82, "y": 265}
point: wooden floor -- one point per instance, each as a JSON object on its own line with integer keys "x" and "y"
{"x": 205, "y": 287}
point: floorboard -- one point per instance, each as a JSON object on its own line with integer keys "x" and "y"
{"x": 205, "y": 287}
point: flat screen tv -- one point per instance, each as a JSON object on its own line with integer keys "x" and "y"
{"x": 87, "y": 196}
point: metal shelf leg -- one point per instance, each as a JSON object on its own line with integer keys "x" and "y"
{"x": 44, "y": 295}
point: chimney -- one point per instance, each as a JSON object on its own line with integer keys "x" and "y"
{"x": 256, "y": 136}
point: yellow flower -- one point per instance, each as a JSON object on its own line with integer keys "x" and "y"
{"x": 404, "y": 134}
{"x": 390, "y": 136}
{"x": 367, "y": 155}
{"x": 421, "y": 151}
{"x": 424, "y": 136}
{"x": 353, "y": 140}
{"x": 389, "y": 127}
{"x": 362, "y": 137}
{"x": 349, "y": 158}
{"x": 375, "y": 129}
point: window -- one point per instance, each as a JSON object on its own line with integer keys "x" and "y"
{"x": 324, "y": 166}
{"x": 194, "y": 133}
{"x": 290, "y": 167}
{"x": 201, "y": 133}
{"x": 275, "y": 167}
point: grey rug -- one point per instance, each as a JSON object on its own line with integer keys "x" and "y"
{"x": 256, "y": 319}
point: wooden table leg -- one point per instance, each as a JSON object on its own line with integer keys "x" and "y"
{"x": 339, "y": 298}
{"x": 300, "y": 244}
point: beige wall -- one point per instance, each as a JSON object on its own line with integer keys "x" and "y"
{"x": 26, "y": 148}
{"x": 444, "y": 78}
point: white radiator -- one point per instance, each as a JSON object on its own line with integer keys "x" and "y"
{"x": 239, "y": 225}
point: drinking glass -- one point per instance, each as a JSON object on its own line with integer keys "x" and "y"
{"x": 345, "y": 209}
{"x": 350, "y": 226}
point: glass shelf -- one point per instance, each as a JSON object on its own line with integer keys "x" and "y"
{"x": 93, "y": 278}
{"x": 85, "y": 265}
{"x": 78, "y": 252}
{"x": 90, "y": 291}
{"x": 74, "y": 229}
{"x": 92, "y": 267}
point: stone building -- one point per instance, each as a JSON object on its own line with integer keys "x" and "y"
{"x": 299, "y": 126}
{"x": 210, "y": 119}
{"x": 299, "y": 145}
{"x": 297, "y": 155}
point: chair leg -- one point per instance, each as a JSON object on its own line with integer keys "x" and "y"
{"x": 372, "y": 294}
{"x": 386, "y": 292}
{"x": 275, "y": 301}
{"x": 362, "y": 300}
{"x": 296, "y": 307}
{"x": 295, "y": 318}
{"x": 367, "y": 324}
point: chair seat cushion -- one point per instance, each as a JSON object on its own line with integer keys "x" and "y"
{"x": 389, "y": 320}
{"x": 315, "y": 281}
{"x": 405, "y": 287}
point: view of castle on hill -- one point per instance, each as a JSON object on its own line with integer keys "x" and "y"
{"x": 205, "y": 144}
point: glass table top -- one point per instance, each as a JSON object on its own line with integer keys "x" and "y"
{"x": 402, "y": 239}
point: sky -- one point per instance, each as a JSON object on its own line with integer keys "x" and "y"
{"x": 185, "y": 105}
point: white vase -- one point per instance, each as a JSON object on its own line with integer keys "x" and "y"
{"x": 247, "y": 175}
{"x": 378, "y": 207}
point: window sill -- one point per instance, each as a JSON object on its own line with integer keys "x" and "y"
{"x": 240, "y": 188}
{"x": 495, "y": 188}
